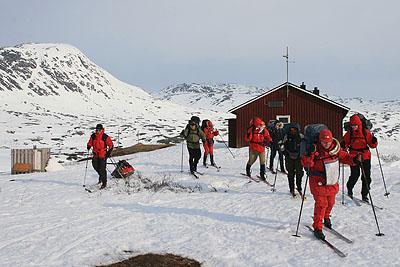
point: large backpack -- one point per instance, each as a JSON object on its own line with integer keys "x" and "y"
{"x": 311, "y": 137}
{"x": 366, "y": 124}
{"x": 287, "y": 126}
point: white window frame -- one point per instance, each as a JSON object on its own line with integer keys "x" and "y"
{"x": 278, "y": 117}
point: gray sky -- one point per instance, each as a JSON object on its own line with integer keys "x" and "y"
{"x": 345, "y": 47}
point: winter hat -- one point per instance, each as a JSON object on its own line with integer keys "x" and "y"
{"x": 210, "y": 124}
{"x": 99, "y": 127}
{"x": 325, "y": 136}
{"x": 355, "y": 120}
{"x": 257, "y": 121}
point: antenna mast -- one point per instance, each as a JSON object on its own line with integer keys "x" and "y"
{"x": 287, "y": 70}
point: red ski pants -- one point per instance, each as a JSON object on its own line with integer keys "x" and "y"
{"x": 322, "y": 209}
{"x": 208, "y": 148}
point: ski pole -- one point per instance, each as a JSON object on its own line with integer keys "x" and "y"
{"x": 226, "y": 145}
{"x": 342, "y": 184}
{"x": 84, "y": 178}
{"x": 370, "y": 199}
{"x": 383, "y": 178}
{"x": 276, "y": 174}
{"x": 182, "y": 157}
{"x": 302, "y": 203}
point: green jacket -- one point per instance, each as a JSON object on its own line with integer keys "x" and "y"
{"x": 193, "y": 137}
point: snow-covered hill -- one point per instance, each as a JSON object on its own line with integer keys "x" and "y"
{"x": 53, "y": 95}
{"x": 219, "y": 97}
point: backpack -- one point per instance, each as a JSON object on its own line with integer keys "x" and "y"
{"x": 271, "y": 125}
{"x": 366, "y": 124}
{"x": 204, "y": 124}
{"x": 311, "y": 137}
{"x": 287, "y": 126}
{"x": 123, "y": 169}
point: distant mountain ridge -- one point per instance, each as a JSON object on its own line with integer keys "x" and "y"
{"x": 219, "y": 97}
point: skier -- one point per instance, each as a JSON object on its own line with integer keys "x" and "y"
{"x": 192, "y": 133}
{"x": 210, "y": 132}
{"x": 291, "y": 150}
{"x": 358, "y": 140}
{"x": 258, "y": 137}
{"x": 102, "y": 148}
{"x": 322, "y": 166}
{"x": 277, "y": 135}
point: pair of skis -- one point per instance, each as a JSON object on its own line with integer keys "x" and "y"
{"x": 329, "y": 244}
{"x": 258, "y": 179}
{"x": 215, "y": 166}
{"x": 358, "y": 202}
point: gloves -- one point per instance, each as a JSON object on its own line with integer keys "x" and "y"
{"x": 216, "y": 133}
{"x": 108, "y": 154}
{"x": 88, "y": 147}
{"x": 374, "y": 140}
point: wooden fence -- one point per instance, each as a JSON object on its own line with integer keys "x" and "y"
{"x": 29, "y": 160}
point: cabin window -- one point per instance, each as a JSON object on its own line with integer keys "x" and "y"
{"x": 275, "y": 104}
{"x": 283, "y": 118}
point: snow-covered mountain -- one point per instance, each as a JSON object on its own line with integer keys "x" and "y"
{"x": 53, "y": 95}
{"x": 220, "y": 97}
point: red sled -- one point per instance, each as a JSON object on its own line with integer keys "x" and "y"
{"x": 123, "y": 169}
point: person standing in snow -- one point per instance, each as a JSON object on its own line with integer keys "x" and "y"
{"x": 258, "y": 137}
{"x": 102, "y": 147}
{"x": 208, "y": 129}
{"x": 277, "y": 135}
{"x": 291, "y": 150}
{"x": 192, "y": 134}
{"x": 322, "y": 166}
{"x": 359, "y": 140}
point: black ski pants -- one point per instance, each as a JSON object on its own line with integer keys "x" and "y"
{"x": 99, "y": 164}
{"x": 355, "y": 174}
{"x": 194, "y": 157}
{"x": 271, "y": 159}
{"x": 294, "y": 169}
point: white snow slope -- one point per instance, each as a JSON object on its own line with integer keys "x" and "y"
{"x": 48, "y": 219}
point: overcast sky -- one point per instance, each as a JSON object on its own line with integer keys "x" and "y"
{"x": 345, "y": 47}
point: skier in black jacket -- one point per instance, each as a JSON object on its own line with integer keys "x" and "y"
{"x": 277, "y": 135}
{"x": 291, "y": 150}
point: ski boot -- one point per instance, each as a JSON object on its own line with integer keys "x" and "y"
{"x": 319, "y": 234}
{"x": 262, "y": 172}
{"x": 328, "y": 223}
{"x": 248, "y": 172}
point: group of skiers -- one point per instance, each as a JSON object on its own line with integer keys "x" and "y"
{"x": 321, "y": 162}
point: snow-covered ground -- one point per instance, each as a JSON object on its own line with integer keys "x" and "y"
{"x": 48, "y": 219}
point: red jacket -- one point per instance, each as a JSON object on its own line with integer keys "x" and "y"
{"x": 356, "y": 142}
{"x": 315, "y": 165}
{"x": 258, "y": 136}
{"x": 210, "y": 132}
{"x": 99, "y": 145}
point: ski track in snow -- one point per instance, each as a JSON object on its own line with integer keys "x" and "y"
{"x": 48, "y": 219}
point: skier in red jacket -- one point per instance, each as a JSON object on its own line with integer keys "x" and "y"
{"x": 208, "y": 145}
{"x": 322, "y": 166}
{"x": 358, "y": 140}
{"x": 258, "y": 137}
{"x": 102, "y": 147}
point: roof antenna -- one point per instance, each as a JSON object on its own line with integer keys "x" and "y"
{"x": 287, "y": 70}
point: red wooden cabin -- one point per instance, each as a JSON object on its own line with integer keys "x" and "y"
{"x": 287, "y": 103}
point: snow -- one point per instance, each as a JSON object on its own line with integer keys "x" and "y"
{"x": 48, "y": 219}
{"x": 221, "y": 219}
